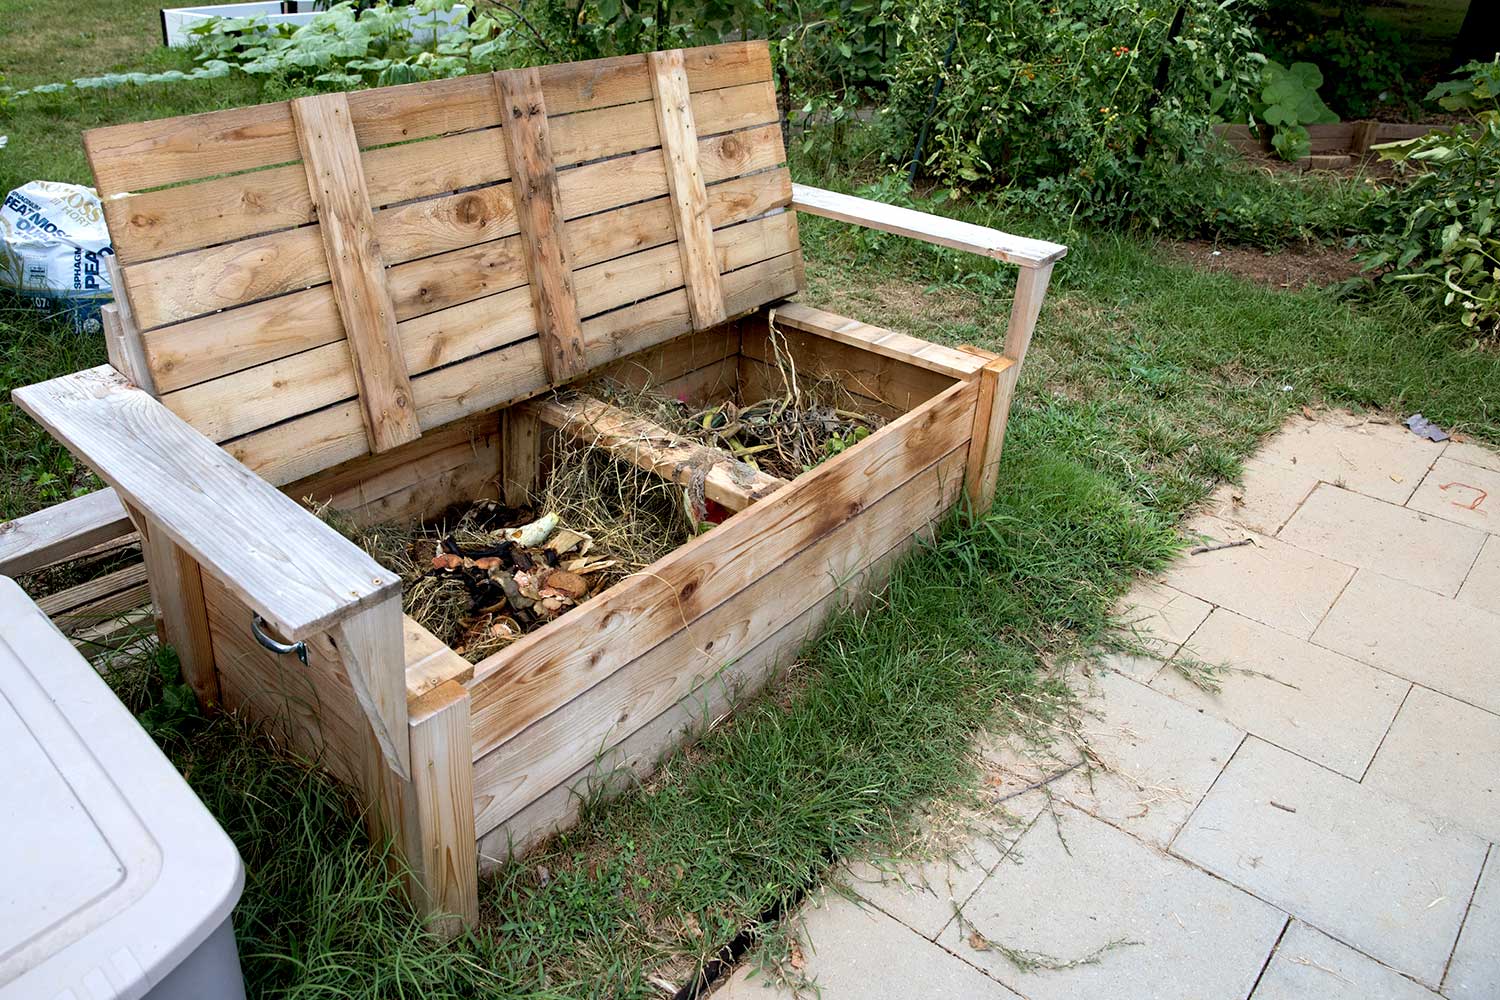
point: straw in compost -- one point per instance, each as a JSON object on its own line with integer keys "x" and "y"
{"x": 488, "y": 574}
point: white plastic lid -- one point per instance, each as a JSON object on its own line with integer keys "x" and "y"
{"x": 114, "y": 872}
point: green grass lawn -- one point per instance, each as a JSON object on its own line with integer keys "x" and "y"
{"x": 1147, "y": 384}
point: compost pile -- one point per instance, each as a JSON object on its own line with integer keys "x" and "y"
{"x": 783, "y": 436}
{"x": 486, "y": 574}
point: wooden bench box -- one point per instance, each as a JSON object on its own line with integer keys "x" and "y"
{"x": 352, "y": 298}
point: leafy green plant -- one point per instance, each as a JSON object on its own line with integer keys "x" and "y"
{"x": 1365, "y": 60}
{"x": 1081, "y": 104}
{"x": 1439, "y": 231}
{"x": 1288, "y": 102}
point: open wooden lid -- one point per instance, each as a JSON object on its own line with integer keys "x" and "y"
{"x": 318, "y": 279}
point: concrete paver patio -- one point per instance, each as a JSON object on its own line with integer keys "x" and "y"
{"x": 1296, "y": 794}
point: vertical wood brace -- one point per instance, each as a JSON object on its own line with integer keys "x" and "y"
{"x": 520, "y": 454}
{"x": 429, "y": 818}
{"x": 122, "y": 338}
{"x": 997, "y": 387}
{"x": 997, "y": 384}
{"x": 444, "y": 859}
{"x": 1031, "y": 289}
{"x": 182, "y": 616}
{"x": 679, "y": 146}
{"x": 336, "y": 180}
{"x": 539, "y": 214}
{"x": 372, "y": 645}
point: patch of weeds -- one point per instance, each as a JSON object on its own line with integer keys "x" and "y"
{"x": 1033, "y": 961}
{"x": 1201, "y": 674}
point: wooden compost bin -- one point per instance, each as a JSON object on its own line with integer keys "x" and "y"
{"x": 351, "y": 299}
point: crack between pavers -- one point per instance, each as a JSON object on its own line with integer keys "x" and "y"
{"x": 1448, "y": 965}
{"x": 1410, "y": 687}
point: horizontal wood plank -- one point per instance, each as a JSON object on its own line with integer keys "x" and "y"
{"x": 142, "y": 155}
{"x": 926, "y": 227}
{"x": 948, "y": 361}
{"x": 862, "y": 372}
{"x": 61, "y": 531}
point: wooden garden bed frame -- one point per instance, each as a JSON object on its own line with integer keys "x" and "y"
{"x": 351, "y": 298}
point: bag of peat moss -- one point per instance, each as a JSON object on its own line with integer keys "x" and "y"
{"x": 53, "y": 244}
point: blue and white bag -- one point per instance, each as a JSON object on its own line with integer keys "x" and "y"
{"x": 53, "y": 244}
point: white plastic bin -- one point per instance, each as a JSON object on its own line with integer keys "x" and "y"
{"x": 117, "y": 882}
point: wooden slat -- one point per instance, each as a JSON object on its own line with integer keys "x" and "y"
{"x": 149, "y": 154}
{"x": 296, "y": 571}
{"x": 422, "y": 487}
{"x": 308, "y": 444}
{"x": 336, "y": 179}
{"x": 172, "y": 220}
{"x": 93, "y": 590}
{"x": 177, "y": 595}
{"x": 926, "y": 227}
{"x": 260, "y": 333}
{"x": 129, "y": 605}
{"x": 864, "y": 373}
{"x": 312, "y": 707}
{"x": 641, "y": 442}
{"x": 948, "y": 361}
{"x": 144, "y": 155}
{"x": 520, "y": 455}
{"x": 372, "y": 649}
{"x": 522, "y": 769}
{"x": 374, "y": 476}
{"x": 61, "y": 531}
{"x": 1025, "y": 308}
{"x": 544, "y": 670}
{"x": 430, "y": 662}
{"x": 239, "y": 403}
{"x": 598, "y": 187}
{"x": 539, "y": 213}
{"x": 686, "y": 187}
{"x": 997, "y": 383}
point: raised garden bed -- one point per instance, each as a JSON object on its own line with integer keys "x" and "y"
{"x": 366, "y": 303}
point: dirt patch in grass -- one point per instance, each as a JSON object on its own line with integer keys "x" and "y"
{"x": 1293, "y": 268}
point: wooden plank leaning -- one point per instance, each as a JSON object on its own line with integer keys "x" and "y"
{"x": 61, "y": 532}
{"x": 523, "y": 120}
{"x": 336, "y": 180}
{"x": 724, "y": 479}
{"x": 689, "y": 194}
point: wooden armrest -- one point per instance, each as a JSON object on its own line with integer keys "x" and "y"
{"x": 61, "y": 531}
{"x": 925, "y": 226}
{"x": 298, "y": 573}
